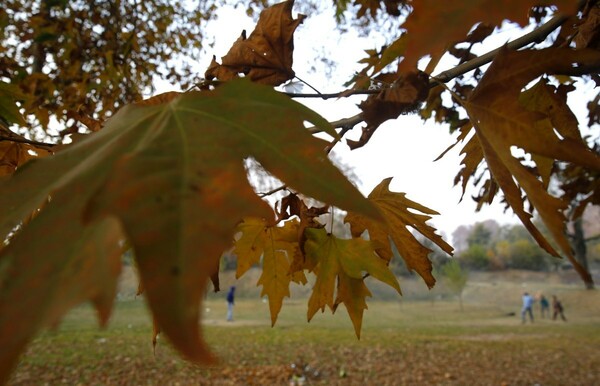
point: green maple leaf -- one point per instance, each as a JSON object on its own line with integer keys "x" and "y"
{"x": 345, "y": 261}
{"x": 172, "y": 173}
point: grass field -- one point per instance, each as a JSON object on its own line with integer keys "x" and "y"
{"x": 404, "y": 342}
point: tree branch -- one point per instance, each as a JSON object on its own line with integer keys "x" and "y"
{"x": 535, "y": 36}
{"x": 341, "y": 94}
{"x": 592, "y": 238}
{"x": 25, "y": 140}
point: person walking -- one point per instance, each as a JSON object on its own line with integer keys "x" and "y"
{"x": 230, "y": 303}
{"x": 557, "y": 309}
{"x": 545, "y": 306}
{"x": 527, "y": 307}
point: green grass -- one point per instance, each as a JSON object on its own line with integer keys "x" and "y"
{"x": 402, "y": 342}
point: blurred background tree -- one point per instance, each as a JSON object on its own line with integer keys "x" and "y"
{"x": 79, "y": 61}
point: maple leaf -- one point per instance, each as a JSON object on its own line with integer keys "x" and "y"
{"x": 32, "y": 282}
{"x": 292, "y": 205}
{"x": 553, "y": 102}
{"x": 14, "y": 154}
{"x": 9, "y": 111}
{"x": 16, "y": 151}
{"x": 267, "y": 55}
{"x": 588, "y": 33}
{"x": 172, "y": 173}
{"x": 454, "y": 19}
{"x": 407, "y": 92}
{"x": 394, "y": 208}
{"x": 276, "y": 246}
{"x": 501, "y": 121}
{"x": 347, "y": 261}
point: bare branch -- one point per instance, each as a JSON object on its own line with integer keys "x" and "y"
{"x": 25, "y": 140}
{"x": 592, "y": 238}
{"x": 341, "y": 94}
{"x": 536, "y": 36}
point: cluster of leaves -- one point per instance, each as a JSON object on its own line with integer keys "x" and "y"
{"x": 501, "y": 111}
{"x": 166, "y": 176}
{"x": 78, "y": 60}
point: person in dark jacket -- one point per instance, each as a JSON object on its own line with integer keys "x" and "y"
{"x": 230, "y": 303}
{"x": 557, "y": 309}
{"x": 544, "y": 306}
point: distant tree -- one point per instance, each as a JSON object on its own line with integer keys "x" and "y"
{"x": 580, "y": 240}
{"x": 480, "y": 235}
{"x": 475, "y": 257}
{"x": 524, "y": 254}
{"x": 500, "y": 254}
{"x": 459, "y": 238}
{"x": 512, "y": 233}
{"x": 79, "y": 61}
{"x": 455, "y": 278}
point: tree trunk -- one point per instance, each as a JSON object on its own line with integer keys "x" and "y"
{"x": 581, "y": 252}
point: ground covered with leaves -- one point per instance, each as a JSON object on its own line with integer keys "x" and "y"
{"x": 403, "y": 342}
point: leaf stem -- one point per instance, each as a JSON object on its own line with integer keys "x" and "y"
{"x": 309, "y": 85}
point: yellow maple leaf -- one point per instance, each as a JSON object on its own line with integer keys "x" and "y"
{"x": 347, "y": 261}
{"x": 277, "y": 247}
{"x": 395, "y": 210}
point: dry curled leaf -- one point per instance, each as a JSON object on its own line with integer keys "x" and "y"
{"x": 588, "y": 33}
{"x": 266, "y": 56}
{"x": 404, "y": 96}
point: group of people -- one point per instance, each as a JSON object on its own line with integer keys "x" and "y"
{"x": 528, "y": 301}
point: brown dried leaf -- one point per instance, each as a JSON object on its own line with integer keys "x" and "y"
{"x": 405, "y": 95}
{"x": 399, "y": 213}
{"x": 431, "y": 25}
{"x": 14, "y": 154}
{"x": 502, "y": 122}
{"x": 588, "y": 33}
{"x": 267, "y": 55}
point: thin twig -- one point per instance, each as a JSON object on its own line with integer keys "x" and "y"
{"x": 309, "y": 85}
{"x": 282, "y": 187}
{"x": 28, "y": 141}
{"x": 341, "y": 94}
{"x": 344, "y": 123}
{"x": 336, "y": 140}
